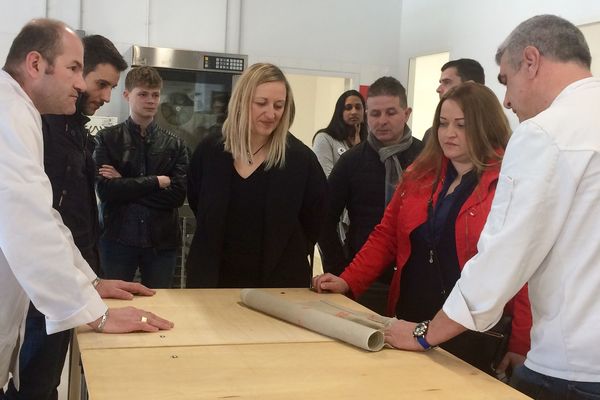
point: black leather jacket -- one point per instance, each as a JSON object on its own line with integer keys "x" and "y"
{"x": 140, "y": 160}
{"x": 68, "y": 162}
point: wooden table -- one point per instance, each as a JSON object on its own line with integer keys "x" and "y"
{"x": 209, "y": 317}
{"x": 221, "y": 349}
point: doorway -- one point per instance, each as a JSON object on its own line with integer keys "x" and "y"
{"x": 423, "y": 80}
{"x": 315, "y": 98}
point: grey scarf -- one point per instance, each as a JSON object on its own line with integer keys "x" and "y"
{"x": 393, "y": 169}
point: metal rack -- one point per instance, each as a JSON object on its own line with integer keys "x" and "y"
{"x": 187, "y": 224}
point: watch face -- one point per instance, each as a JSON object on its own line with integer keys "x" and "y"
{"x": 420, "y": 329}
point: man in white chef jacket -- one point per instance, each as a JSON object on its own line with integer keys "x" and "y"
{"x": 38, "y": 259}
{"x": 543, "y": 225}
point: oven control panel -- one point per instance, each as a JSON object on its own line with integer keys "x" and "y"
{"x": 219, "y": 63}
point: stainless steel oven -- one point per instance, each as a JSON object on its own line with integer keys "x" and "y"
{"x": 196, "y": 88}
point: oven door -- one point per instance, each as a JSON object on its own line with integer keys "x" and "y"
{"x": 193, "y": 103}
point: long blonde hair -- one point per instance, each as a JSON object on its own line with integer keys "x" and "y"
{"x": 486, "y": 129}
{"x": 238, "y": 125}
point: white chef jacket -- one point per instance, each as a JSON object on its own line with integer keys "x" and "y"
{"x": 38, "y": 259}
{"x": 544, "y": 228}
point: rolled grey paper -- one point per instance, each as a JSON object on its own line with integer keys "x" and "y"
{"x": 315, "y": 320}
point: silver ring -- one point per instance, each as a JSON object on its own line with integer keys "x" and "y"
{"x": 144, "y": 319}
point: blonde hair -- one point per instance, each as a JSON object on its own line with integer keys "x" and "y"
{"x": 486, "y": 129}
{"x": 238, "y": 125}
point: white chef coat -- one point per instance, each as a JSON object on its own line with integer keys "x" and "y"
{"x": 38, "y": 259}
{"x": 544, "y": 228}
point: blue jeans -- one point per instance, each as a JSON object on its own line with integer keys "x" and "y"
{"x": 41, "y": 360}
{"x": 543, "y": 387}
{"x": 119, "y": 261}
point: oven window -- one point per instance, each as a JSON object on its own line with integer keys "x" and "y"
{"x": 193, "y": 103}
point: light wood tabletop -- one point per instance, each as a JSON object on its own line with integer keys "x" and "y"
{"x": 285, "y": 371}
{"x": 221, "y": 349}
{"x": 211, "y": 317}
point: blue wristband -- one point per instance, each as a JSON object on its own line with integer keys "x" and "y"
{"x": 423, "y": 342}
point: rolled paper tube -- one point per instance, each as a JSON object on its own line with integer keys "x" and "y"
{"x": 305, "y": 316}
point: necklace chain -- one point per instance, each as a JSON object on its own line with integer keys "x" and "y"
{"x": 253, "y": 154}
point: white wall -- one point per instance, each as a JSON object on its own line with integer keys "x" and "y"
{"x": 346, "y": 37}
{"x": 474, "y": 28}
{"x": 351, "y": 36}
{"x": 13, "y": 16}
{"x": 592, "y": 36}
{"x": 342, "y": 37}
{"x": 186, "y": 24}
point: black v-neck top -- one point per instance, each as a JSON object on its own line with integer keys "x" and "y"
{"x": 242, "y": 258}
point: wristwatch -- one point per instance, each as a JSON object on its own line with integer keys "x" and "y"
{"x": 420, "y": 332}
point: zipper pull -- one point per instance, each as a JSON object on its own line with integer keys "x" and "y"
{"x": 62, "y": 195}
{"x": 431, "y": 256}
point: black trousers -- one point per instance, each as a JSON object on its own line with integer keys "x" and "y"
{"x": 41, "y": 360}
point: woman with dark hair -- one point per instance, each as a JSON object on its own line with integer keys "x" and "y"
{"x": 433, "y": 222}
{"x": 257, "y": 192}
{"x": 346, "y": 129}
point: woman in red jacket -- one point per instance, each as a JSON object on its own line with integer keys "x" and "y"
{"x": 432, "y": 225}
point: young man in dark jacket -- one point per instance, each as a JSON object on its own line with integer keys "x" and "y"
{"x": 141, "y": 184}
{"x": 364, "y": 179}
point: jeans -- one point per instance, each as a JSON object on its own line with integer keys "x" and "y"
{"x": 41, "y": 360}
{"x": 120, "y": 261}
{"x": 543, "y": 387}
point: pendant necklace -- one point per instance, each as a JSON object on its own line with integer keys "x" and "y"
{"x": 253, "y": 154}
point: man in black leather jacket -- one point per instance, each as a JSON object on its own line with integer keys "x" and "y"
{"x": 69, "y": 165}
{"x": 141, "y": 183}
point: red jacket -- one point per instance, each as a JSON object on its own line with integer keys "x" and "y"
{"x": 391, "y": 239}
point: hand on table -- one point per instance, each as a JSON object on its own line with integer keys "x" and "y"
{"x": 131, "y": 319}
{"x": 329, "y": 283}
{"x": 117, "y": 289}
{"x": 399, "y": 334}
